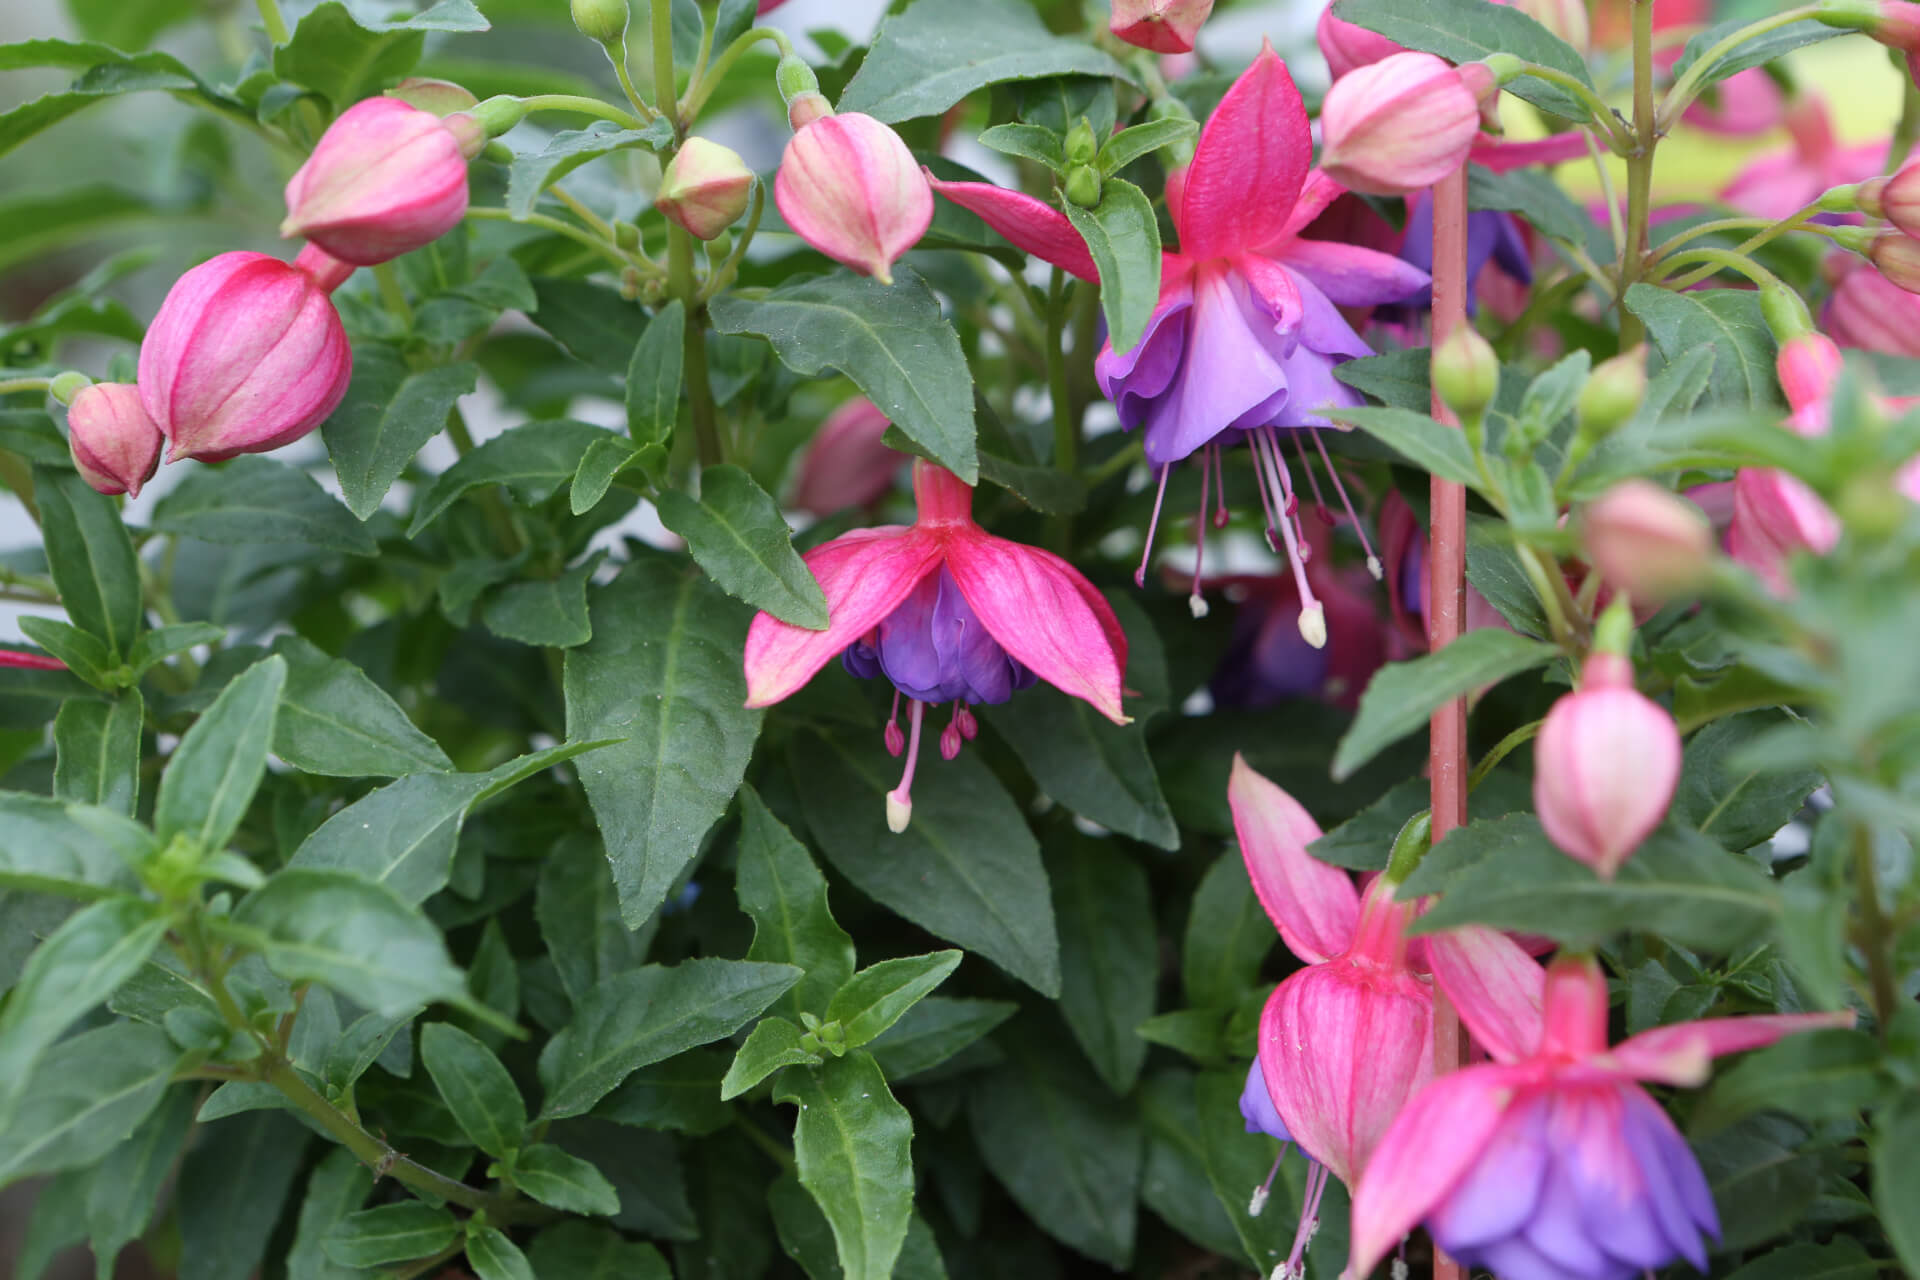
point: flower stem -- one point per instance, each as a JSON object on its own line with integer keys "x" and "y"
{"x": 1639, "y": 170}
{"x": 1872, "y": 933}
{"x": 1717, "y": 260}
{"x": 1603, "y": 117}
{"x": 388, "y": 281}
{"x": 724, "y": 274}
{"x": 663, "y": 77}
{"x": 606, "y": 249}
{"x": 1501, "y": 750}
{"x": 580, "y": 105}
{"x": 709, "y": 79}
{"x": 276, "y": 24}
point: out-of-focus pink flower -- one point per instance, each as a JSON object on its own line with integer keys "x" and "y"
{"x": 1783, "y": 182}
{"x": 1567, "y": 19}
{"x": 1740, "y": 106}
{"x": 1347, "y": 47}
{"x": 1895, "y": 198}
{"x": 24, "y": 660}
{"x": 1403, "y": 546}
{"x": 1269, "y": 661}
{"x": 1164, "y": 26}
{"x": 1604, "y": 766}
{"x": 845, "y": 465}
{"x": 1398, "y": 125}
{"x": 704, "y": 188}
{"x": 385, "y": 179}
{"x": 768, "y": 6}
{"x": 115, "y": 446}
{"x": 1869, "y": 312}
{"x": 1775, "y": 515}
{"x": 850, "y": 188}
{"x": 1552, "y": 1161}
{"x": 246, "y": 354}
{"x": 1647, "y": 541}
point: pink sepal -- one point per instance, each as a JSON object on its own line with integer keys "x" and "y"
{"x": 1315, "y": 906}
{"x": 1503, "y": 157}
{"x": 1026, "y": 223}
{"x": 1352, "y": 276}
{"x": 1316, "y": 194}
{"x": 1682, "y": 1054}
{"x": 1496, "y": 986}
{"x": 1256, "y": 141}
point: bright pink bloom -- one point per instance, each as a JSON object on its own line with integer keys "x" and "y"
{"x": 1783, "y": 182}
{"x": 115, "y": 446}
{"x": 1399, "y": 125}
{"x": 385, "y": 179}
{"x": 845, "y": 465}
{"x": 1868, "y": 311}
{"x": 947, "y": 613}
{"x": 1347, "y": 47}
{"x": 704, "y": 188}
{"x": 1248, "y": 330}
{"x": 850, "y": 188}
{"x": 246, "y": 354}
{"x": 1164, "y": 26}
{"x": 1551, "y": 1162}
{"x": 1604, "y": 766}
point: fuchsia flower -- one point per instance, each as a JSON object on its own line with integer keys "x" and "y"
{"x": 1247, "y": 332}
{"x": 1401, "y": 124}
{"x": 1551, "y": 1162}
{"x": 115, "y": 446}
{"x": 948, "y": 613}
{"x": 1868, "y": 311}
{"x": 1604, "y": 766}
{"x": 850, "y": 188}
{"x": 704, "y": 188}
{"x": 385, "y": 179}
{"x": 246, "y": 354}
{"x": 845, "y": 465}
{"x": 1783, "y": 182}
{"x": 1163, "y": 26}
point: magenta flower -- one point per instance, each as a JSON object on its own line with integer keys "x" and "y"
{"x": 1782, "y": 182}
{"x": 948, "y": 613}
{"x": 115, "y": 446}
{"x": 385, "y": 179}
{"x": 1551, "y": 1162}
{"x": 850, "y": 188}
{"x": 1247, "y": 331}
{"x": 1162, "y": 26}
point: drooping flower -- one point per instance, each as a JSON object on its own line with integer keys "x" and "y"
{"x": 850, "y": 188}
{"x": 1551, "y": 1162}
{"x": 947, "y": 612}
{"x": 845, "y": 465}
{"x": 1868, "y": 311}
{"x": 1400, "y": 124}
{"x": 704, "y": 188}
{"x": 1783, "y": 182}
{"x": 1647, "y": 541}
{"x": 1247, "y": 332}
{"x": 115, "y": 446}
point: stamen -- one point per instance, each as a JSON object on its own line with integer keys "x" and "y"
{"x": 1266, "y": 502}
{"x": 1295, "y": 1267}
{"x": 1219, "y": 486}
{"x": 1373, "y": 561}
{"x": 1319, "y": 499}
{"x": 895, "y": 740}
{"x": 1196, "y": 602}
{"x": 1265, "y": 1189}
{"x": 1313, "y": 617}
{"x": 950, "y": 736}
{"x": 963, "y": 716}
{"x": 1146, "y": 553}
{"x": 900, "y": 799}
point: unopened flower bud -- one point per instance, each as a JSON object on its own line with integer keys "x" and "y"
{"x": 1898, "y": 258}
{"x": 68, "y": 385}
{"x": 386, "y": 179}
{"x": 1808, "y": 366}
{"x": 1397, "y": 126}
{"x": 1894, "y": 23}
{"x": 705, "y": 188}
{"x": 1897, "y": 199}
{"x": 1648, "y": 542}
{"x": 1164, "y": 26}
{"x": 850, "y": 188}
{"x": 441, "y": 97}
{"x": 807, "y": 108}
{"x": 1613, "y": 394}
{"x": 116, "y": 447}
{"x": 1605, "y": 766}
{"x": 1083, "y": 186}
{"x": 246, "y": 354}
{"x": 1466, "y": 373}
{"x": 1082, "y": 146}
{"x": 846, "y": 465}
{"x": 794, "y": 77}
{"x": 1348, "y": 47}
{"x": 602, "y": 20}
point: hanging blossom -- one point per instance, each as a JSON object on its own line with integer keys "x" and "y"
{"x": 1551, "y": 1162}
{"x": 946, "y": 612}
{"x": 1247, "y": 331}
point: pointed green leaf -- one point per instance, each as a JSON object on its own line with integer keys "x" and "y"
{"x": 334, "y": 720}
{"x": 654, "y": 377}
{"x": 532, "y": 460}
{"x": 337, "y": 1187}
{"x": 553, "y": 1177}
{"x": 535, "y": 171}
{"x": 1098, "y": 769}
{"x": 85, "y": 1098}
{"x": 1403, "y": 695}
{"x": 786, "y": 895}
{"x": 255, "y": 499}
{"x": 91, "y": 557}
{"x": 737, "y": 534}
{"x": 1109, "y": 953}
{"x": 390, "y": 1233}
{"x": 772, "y": 1044}
{"x": 581, "y": 1251}
{"x": 1123, "y": 236}
{"x": 933, "y": 1031}
{"x": 388, "y": 414}
{"x": 98, "y": 752}
{"x": 343, "y": 58}
{"x": 852, "y": 1143}
{"x": 876, "y": 997}
{"x": 217, "y": 767}
{"x": 494, "y": 1257}
{"x": 551, "y": 612}
{"x": 482, "y": 1096}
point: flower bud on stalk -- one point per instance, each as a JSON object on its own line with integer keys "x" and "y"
{"x": 705, "y": 188}
{"x": 1466, "y": 373}
{"x": 385, "y": 179}
{"x": 602, "y": 20}
{"x": 1648, "y": 542}
{"x": 115, "y": 446}
{"x": 1612, "y": 395}
{"x": 1163, "y": 26}
{"x": 1898, "y": 258}
{"x": 850, "y": 188}
{"x": 1399, "y": 125}
{"x": 1897, "y": 199}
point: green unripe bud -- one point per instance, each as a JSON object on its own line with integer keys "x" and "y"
{"x": 795, "y": 77}
{"x": 1613, "y": 394}
{"x": 1082, "y": 146}
{"x": 1083, "y": 186}
{"x": 1466, "y": 373}
{"x": 68, "y": 385}
{"x": 602, "y": 20}
{"x": 496, "y": 115}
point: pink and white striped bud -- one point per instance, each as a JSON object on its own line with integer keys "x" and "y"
{"x": 1347, "y": 47}
{"x": 850, "y": 188}
{"x": 1163, "y": 26}
{"x": 1604, "y": 766}
{"x": 1397, "y": 126}
{"x": 115, "y": 446}
{"x": 1897, "y": 199}
{"x": 247, "y": 354}
{"x": 1648, "y": 542}
{"x": 846, "y": 465}
{"x": 385, "y": 179}
{"x": 1868, "y": 311}
{"x": 705, "y": 188}
{"x": 1898, "y": 258}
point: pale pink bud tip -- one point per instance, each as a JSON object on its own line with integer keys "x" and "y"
{"x": 1397, "y": 126}
{"x": 247, "y": 354}
{"x": 705, "y": 188}
{"x": 115, "y": 445}
{"x": 850, "y": 188}
{"x": 1605, "y": 767}
{"x": 1648, "y": 542}
{"x": 385, "y": 179}
{"x": 1347, "y": 47}
{"x": 1163, "y": 26}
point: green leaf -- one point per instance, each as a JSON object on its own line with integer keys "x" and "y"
{"x": 388, "y": 414}
{"x": 1725, "y": 321}
{"x": 1403, "y": 695}
{"x": 1237, "y": 1161}
{"x": 91, "y": 558}
{"x": 606, "y": 461}
{"x": 1821, "y": 1075}
{"x": 79, "y": 966}
{"x": 533, "y": 460}
{"x": 337, "y": 1187}
{"x": 494, "y": 1257}
{"x": 482, "y": 1096}
{"x": 967, "y": 867}
{"x": 590, "y": 320}
{"x": 935, "y": 1030}
{"x": 875, "y": 998}
{"x": 85, "y": 1098}
{"x": 1109, "y": 953}
{"x": 84, "y": 656}
{"x": 1495, "y": 571}
{"x": 1761, "y": 1182}
{"x": 1467, "y": 31}
{"x": 551, "y": 612}
{"x": 1174, "y": 1181}
{"x": 1123, "y": 236}
{"x": 1128, "y": 145}
{"x": 654, "y": 377}
{"x": 737, "y": 534}
{"x": 98, "y": 752}
{"x": 336, "y": 721}
{"x": 344, "y": 59}
{"x": 390, "y": 1233}
{"x": 1896, "y": 1177}
{"x": 891, "y": 340}
{"x": 1098, "y": 769}
{"x": 649, "y": 1014}
{"x": 129, "y": 24}
{"x": 772, "y": 1044}
{"x": 852, "y": 1144}
{"x": 121, "y": 1192}
{"x": 211, "y": 778}
{"x": 256, "y": 499}
{"x": 778, "y": 885}
{"x": 108, "y": 72}
{"x": 1842, "y": 1259}
{"x": 1079, "y": 1182}
{"x": 1737, "y": 804}
{"x": 582, "y": 1251}
{"x": 51, "y": 846}
{"x": 663, "y": 671}
{"x": 1228, "y": 935}
{"x": 535, "y": 171}
{"x": 1029, "y": 141}
{"x": 352, "y": 935}
{"x": 579, "y": 916}
{"x": 1754, "y": 52}
{"x": 553, "y": 1177}
{"x": 231, "y": 1188}
{"x": 928, "y": 58}
{"x": 681, "y": 1093}
{"x": 1432, "y": 446}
